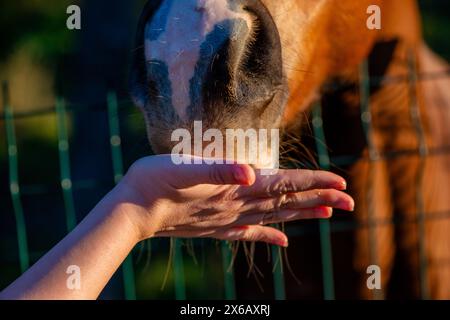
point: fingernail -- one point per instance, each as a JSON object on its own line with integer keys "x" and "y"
{"x": 352, "y": 207}
{"x": 346, "y": 205}
{"x": 324, "y": 212}
{"x": 240, "y": 175}
{"x": 342, "y": 185}
{"x": 281, "y": 243}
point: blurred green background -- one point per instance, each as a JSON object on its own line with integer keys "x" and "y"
{"x": 40, "y": 59}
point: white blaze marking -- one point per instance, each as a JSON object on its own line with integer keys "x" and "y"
{"x": 186, "y": 27}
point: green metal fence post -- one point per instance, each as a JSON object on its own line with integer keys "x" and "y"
{"x": 228, "y": 272}
{"x": 423, "y": 153}
{"x": 278, "y": 276}
{"x": 14, "y": 180}
{"x": 366, "y": 119}
{"x": 117, "y": 161}
{"x": 178, "y": 269}
{"x": 64, "y": 163}
{"x": 324, "y": 224}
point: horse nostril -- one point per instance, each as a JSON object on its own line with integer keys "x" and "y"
{"x": 248, "y": 64}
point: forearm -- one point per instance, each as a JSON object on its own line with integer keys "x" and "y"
{"x": 97, "y": 246}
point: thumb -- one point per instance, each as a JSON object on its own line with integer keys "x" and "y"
{"x": 217, "y": 174}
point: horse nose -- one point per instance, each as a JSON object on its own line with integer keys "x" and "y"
{"x": 207, "y": 52}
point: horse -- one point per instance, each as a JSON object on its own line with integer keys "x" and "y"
{"x": 264, "y": 64}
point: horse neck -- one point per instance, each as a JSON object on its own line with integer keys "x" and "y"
{"x": 401, "y": 20}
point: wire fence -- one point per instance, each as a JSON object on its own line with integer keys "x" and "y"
{"x": 325, "y": 161}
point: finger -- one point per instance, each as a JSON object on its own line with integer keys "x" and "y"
{"x": 243, "y": 233}
{"x": 314, "y": 204}
{"x": 286, "y": 216}
{"x": 302, "y": 200}
{"x": 254, "y": 234}
{"x": 204, "y": 233}
{"x": 293, "y": 181}
{"x": 217, "y": 174}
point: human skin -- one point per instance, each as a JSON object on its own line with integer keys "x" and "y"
{"x": 159, "y": 199}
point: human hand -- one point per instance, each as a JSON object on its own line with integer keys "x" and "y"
{"x": 228, "y": 202}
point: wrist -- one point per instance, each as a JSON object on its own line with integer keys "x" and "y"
{"x": 138, "y": 212}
